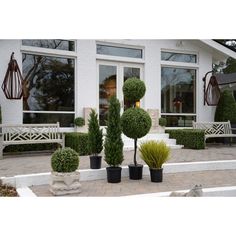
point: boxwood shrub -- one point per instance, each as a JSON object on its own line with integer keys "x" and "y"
{"x": 78, "y": 142}
{"x": 190, "y": 138}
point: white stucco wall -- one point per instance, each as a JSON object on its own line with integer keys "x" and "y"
{"x": 11, "y": 109}
{"x": 87, "y": 78}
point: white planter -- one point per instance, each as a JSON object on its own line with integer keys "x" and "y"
{"x": 65, "y": 183}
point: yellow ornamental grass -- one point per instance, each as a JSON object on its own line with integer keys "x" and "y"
{"x": 154, "y": 153}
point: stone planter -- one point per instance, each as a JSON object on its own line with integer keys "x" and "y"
{"x": 65, "y": 183}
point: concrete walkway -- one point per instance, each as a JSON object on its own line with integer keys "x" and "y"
{"x": 39, "y": 163}
{"x": 171, "y": 182}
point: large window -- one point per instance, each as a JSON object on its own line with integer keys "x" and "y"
{"x": 178, "y": 95}
{"x": 48, "y": 89}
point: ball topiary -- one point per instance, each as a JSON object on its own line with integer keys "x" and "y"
{"x": 79, "y": 121}
{"x": 65, "y": 160}
{"x": 162, "y": 121}
{"x": 134, "y": 89}
{"x": 135, "y": 122}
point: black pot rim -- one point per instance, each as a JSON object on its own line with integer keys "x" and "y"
{"x": 113, "y": 167}
{"x": 133, "y": 165}
{"x": 95, "y": 156}
{"x": 156, "y": 168}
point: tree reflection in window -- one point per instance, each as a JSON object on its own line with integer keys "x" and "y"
{"x": 48, "y": 83}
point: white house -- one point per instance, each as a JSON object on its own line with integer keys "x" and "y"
{"x": 63, "y": 77}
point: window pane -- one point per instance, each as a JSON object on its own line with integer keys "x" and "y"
{"x": 65, "y": 120}
{"x": 180, "y": 57}
{"x": 179, "y": 121}
{"x": 50, "y": 83}
{"x": 178, "y": 88}
{"x": 107, "y": 88}
{"x": 119, "y": 51}
{"x": 128, "y": 73}
{"x": 51, "y": 43}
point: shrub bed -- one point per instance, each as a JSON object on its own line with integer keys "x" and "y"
{"x": 190, "y": 138}
{"x": 7, "y": 191}
{"x": 78, "y": 142}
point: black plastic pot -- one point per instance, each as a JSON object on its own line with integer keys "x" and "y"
{"x": 113, "y": 174}
{"x": 95, "y": 162}
{"x": 156, "y": 175}
{"x": 136, "y": 171}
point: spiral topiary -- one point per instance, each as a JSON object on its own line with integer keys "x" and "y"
{"x": 135, "y": 123}
{"x": 65, "y": 160}
{"x": 134, "y": 89}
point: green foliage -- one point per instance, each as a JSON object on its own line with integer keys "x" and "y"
{"x": 190, "y": 138}
{"x": 31, "y": 147}
{"x": 134, "y": 89}
{"x": 162, "y": 121}
{"x": 78, "y": 142}
{"x": 94, "y": 134}
{"x": 113, "y": 142}
{"x": 154, "y": 153}
{"x": 230, "y": 66}
{"x": 226, "y": 108}
{"x": 135, "y": 123}
{"x": 79, "y": 121}
{"x": 65, "y": 160}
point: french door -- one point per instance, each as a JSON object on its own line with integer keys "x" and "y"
{"x": 111, "y": 77}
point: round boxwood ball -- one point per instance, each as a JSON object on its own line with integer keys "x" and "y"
{"x": 135, "y": 122}
{"x": 65, "y": 160}
{"x": 134, "y": 89}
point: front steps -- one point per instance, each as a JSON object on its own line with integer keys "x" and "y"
{"x": 129, "y": 143}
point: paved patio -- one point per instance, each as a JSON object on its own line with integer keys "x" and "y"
{"x": 171, "y": 182}
{"x": 39, "y": 163}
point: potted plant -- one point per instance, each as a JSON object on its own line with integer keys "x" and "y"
{"x": 155, "y": 154}
{"x": 79, "y": 122}
{"x": 64, "y": 175}
{"x": 113, "y": 147}
{"x": 95, "y": 141}
{"x": 162, "y": 124}
{"x": 135, "y": 122}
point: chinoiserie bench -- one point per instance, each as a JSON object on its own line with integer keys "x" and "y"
{"x": 215, "y": 129}
{"x": 30, "y": 134}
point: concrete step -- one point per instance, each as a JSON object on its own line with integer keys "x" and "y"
{"x": 129, "y": 143}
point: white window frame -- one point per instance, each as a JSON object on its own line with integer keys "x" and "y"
{"x": 32, "y": 50}
{"x": 181, "y": 65}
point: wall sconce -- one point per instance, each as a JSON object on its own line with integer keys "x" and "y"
{"x": 137, "y": 104}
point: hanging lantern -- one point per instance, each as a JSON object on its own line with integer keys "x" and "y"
{"x": 212, "y": 94}
{"x": 12, "y": 84}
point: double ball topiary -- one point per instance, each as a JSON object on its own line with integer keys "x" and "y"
{"x": 134, "y": 89}
{"x": 65, "y": 160}
{"x": 135, "y": 123}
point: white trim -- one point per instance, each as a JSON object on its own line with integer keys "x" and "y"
{"x": 25, "y": 192}
{"x": 119, "y": 59}
{"x": 179, "y": 114}
{"x": 48, "y": 52}
{"x": 219, "y": 47}
{"x": 50, "y": 112}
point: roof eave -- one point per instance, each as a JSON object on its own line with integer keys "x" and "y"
{"x": 219, "y": 47}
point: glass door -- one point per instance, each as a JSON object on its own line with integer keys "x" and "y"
{"x": 112, "y": 76}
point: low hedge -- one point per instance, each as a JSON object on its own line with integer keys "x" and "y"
{"x": 31, "y": 147}
{"x": 190, "y": 138}
{"x": 78, "y": 142}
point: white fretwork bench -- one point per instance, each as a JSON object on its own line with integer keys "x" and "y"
{"x": 30, "y": 134}
{"x": 215, "y": 129}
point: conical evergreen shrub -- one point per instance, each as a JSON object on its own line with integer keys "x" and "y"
{"x": 94, "y": 134}
{"x": 113, "y": 146}
{"x": 226, "y": 108}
